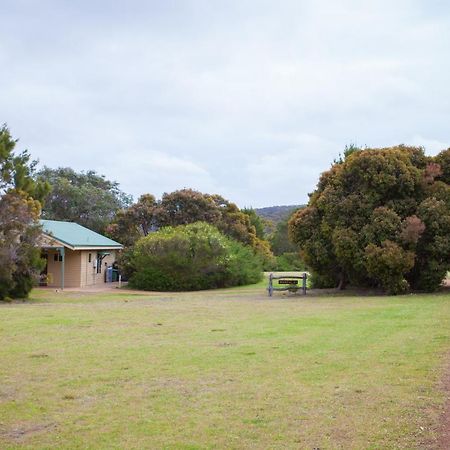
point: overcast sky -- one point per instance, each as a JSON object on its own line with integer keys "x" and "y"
{"x": 250, "y": 99}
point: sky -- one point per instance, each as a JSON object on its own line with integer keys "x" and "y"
{"x": 250, "y": 99}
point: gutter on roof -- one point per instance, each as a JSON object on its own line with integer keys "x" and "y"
{"x": 85, "y": 247}
{"x": 98, "y": 247}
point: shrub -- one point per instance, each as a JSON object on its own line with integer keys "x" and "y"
{"x": 388, "y": 265}
{"x": 192, "y": 257}
{"x": 289, "y": 262}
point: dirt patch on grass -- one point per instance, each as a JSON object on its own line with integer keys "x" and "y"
{"x": 21, "y": 432}
{"x": 443, "y": 440}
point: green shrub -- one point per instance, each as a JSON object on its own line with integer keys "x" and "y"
{"x": 388, "y": 265}
{"x": 192, "y": 257}
{"x": 289, "y": 262}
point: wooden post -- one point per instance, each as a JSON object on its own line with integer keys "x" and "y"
{"x": 62, "y": 253}
{"x": 270, "y": 285}
{"x": 304, "y": 283}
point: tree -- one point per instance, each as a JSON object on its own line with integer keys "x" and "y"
{"x": 443, "y": 159}
{"x": 184, "y": 207}
{"x": 134, "y": 222}
{"x": 192, "y": 257}
{"x": 20, "y": 207}
{"x": 188, "y": 206}
{"x": 86, "y": 197}
{"x": 378, "y": 217}
{"x": 258, "y": 222}
{"x": 280, "y": 241}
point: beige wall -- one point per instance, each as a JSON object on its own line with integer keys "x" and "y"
{"x": 79, "y": 272}
{"x": 89, "y": 275}
{"x": 72, "y": 268}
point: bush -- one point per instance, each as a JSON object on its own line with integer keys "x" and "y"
{"x": 192, "y": 257}
{"x": 289, "y": 262}
{"x": 389, "y": 264}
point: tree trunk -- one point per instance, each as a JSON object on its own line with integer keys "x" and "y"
{"x": 342, "y": 282}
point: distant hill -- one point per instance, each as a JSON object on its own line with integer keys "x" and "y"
{"x": 277, "y": 213}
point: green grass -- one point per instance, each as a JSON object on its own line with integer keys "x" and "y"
{"x": 224, "y": 369}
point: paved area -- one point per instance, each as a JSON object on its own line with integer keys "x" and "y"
{"x": 105, "y": 287}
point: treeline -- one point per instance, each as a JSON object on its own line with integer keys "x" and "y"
{"x": 97, "y": 203}
{"x": 90, "y": 199}
{"x": 379, "y": 217}
{"x": 275, "y": 214}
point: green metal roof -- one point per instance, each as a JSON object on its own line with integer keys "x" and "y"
{"x": 75, "y": 235}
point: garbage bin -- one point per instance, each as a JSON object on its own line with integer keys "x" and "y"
{"x": 115, "y": 275}
{"x": 109, "y": 272}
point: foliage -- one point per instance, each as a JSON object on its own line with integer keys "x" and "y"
{"x": 20, "y": 260}
{"x": 183, "y": 207}
{"x": 280, "y": 241}
{"x": 289, "y": 262}
{"x": 188, "y": 206}
{"x": 264, "y": 253}
{"x": 388, "y": 263}
{"x": 378, "y": 217}
{"x": 256, "y": 221}
{"x": 443, "y": 159}
{"x": 134, "y": 222}
{"x": 86, "y": 197}
{"x": 275, "y": 214}
{"x": 192, "y": 257}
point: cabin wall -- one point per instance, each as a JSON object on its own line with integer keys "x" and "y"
{"x": 89, "y": 275}
{"x": 72, "y": 268}
{"x": 80, "y": 268}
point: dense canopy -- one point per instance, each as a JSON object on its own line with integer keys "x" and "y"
{"x": 379, "y": 217}
{"x": 20, "y": 207}
{"x": 83, "y": 197}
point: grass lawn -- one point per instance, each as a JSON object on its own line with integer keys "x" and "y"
{"x": 224, "y": 369}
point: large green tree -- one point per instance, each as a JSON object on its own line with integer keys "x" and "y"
{"x": 20, "y": 207}
{"x": 134, "y": 222}
{"x": 83, "y": 197}
{"x": 378, "y": 217}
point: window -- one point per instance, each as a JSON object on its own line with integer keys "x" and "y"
{"x": 99, "y": 263}
{"x": 57, "y": 257}
{"x": 90, "y": 257}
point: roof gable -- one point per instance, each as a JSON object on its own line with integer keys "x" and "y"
{"x": 77, "y": 236}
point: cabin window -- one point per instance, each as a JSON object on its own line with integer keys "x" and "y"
{"x": 99, "y": 263}
{"x": 90, "y": 257}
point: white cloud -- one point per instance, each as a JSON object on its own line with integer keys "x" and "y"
{"x": 141, "y": 171}
{"x": 286, "y": 176}
{"x": 432, "y": 146}
{"x": 162, "y": 95}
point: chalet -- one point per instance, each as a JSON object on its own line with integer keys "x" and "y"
{"x": 75, "y": 255}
